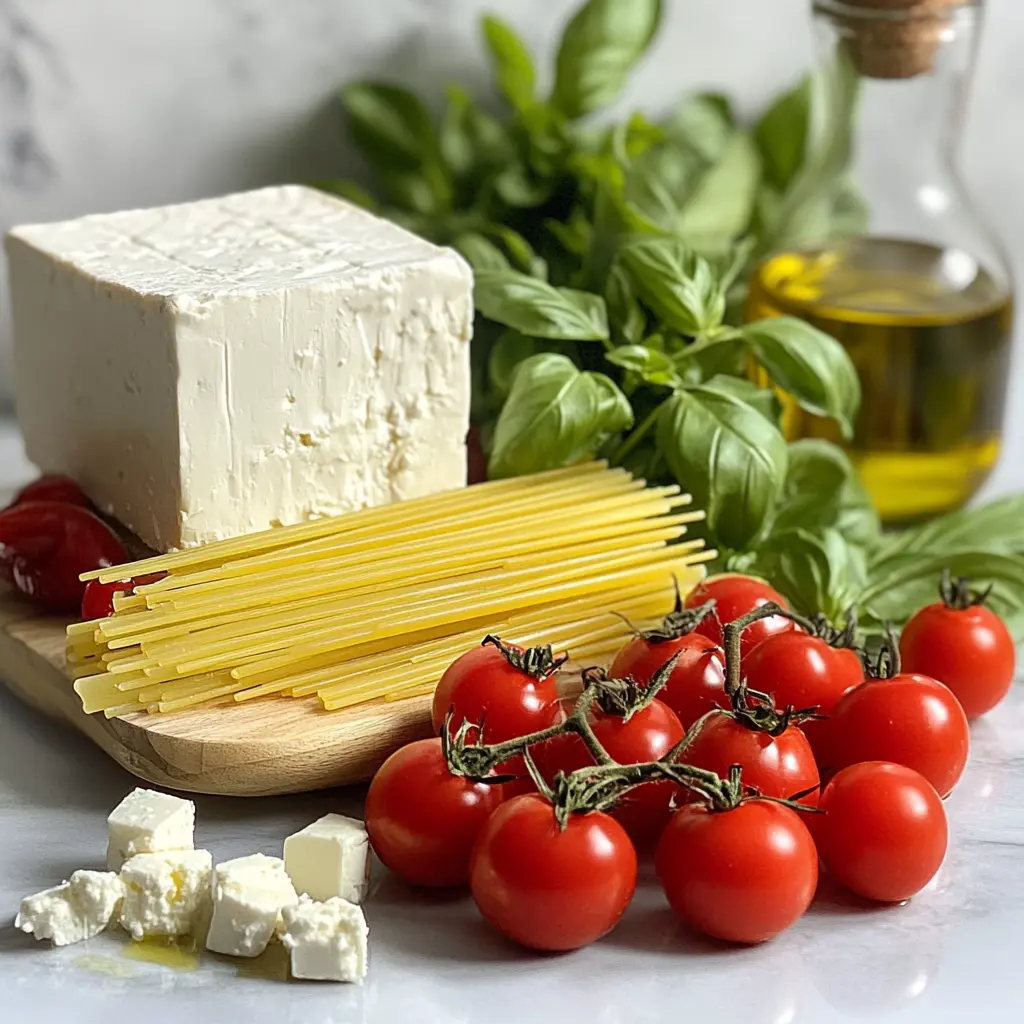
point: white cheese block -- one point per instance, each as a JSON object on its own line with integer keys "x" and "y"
{"x": 326, "y": 941}
{"x": 146, "y": 821}
{"x": 249, "y": 894}
{"x": 329, "y": 858}
{"x": 215, "y": 368}
{"x": 74, "y": 910}
{"x": 165, "y": 893}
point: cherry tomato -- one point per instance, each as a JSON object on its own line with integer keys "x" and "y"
{"x": 970, "y": 650}
{"x": 550, "y": 888}
{"x": 52, "y": 488}
{"x": 647, "y": 735}
{"x": 697, "y": 682}
{"x": 483, "y": 685}
{"x": 803, "y": 671}
{"x": 910, "y": 719}
{"x": 98, "y": 599}
{"x": 48, "y": 545}
{"x": 735, "y": 596}
{"x": 779, "y": 766}
{"x": 422, "y": 820}
{"x": 742, "y": 875}
{"x": 883, "y": 833}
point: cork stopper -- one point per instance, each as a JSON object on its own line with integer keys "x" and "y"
{"x": 894, "y": 38}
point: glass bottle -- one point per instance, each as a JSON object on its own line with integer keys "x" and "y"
{"x": 921, "y": 294}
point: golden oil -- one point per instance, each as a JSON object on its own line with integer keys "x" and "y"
{"x": 929, "y": 332}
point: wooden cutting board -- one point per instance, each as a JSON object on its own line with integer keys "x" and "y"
{"x": 255, "y": 749}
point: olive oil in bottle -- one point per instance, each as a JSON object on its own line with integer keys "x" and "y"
{"x": 929, "y": 332}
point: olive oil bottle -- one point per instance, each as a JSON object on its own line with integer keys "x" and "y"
{"x": 919, "y": 293}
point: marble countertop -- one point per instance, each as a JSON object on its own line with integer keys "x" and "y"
{"x": 950, "y": 955}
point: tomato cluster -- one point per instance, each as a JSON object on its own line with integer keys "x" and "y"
{"x": 744, "y": 747}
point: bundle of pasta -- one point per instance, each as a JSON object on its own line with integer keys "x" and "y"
{"x": 375, "y": 604}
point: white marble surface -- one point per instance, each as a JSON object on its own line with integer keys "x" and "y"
{"x": 949, "y": 956}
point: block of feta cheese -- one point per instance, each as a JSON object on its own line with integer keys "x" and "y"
{"x": 219, "y": 367}
{"x": 326, "y": 941}
{"x": 74, "y": 910}
{"x": 165, "y": 893}
{"x": 329, "y": 858}
{"x": 249, "y": 894}
{"x": 146, "y": 821}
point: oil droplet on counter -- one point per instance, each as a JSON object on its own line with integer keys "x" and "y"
{"x": 272, "y": 964}
{"x": 179, "y": 954}
{"x": 104, "y": 965}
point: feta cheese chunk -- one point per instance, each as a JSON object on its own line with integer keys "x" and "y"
{"x": 149, "y": 822}
{"x": 74, "y": 910}
{"x": 327, "y": 941}
{"x": 248, "y": 896}
{"x": 165, "y": 893}
{"x": 219, "y": 367}
{"x": 329, "y": 858}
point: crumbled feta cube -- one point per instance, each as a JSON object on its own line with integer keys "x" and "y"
{"x": 329, "y": 858}
{"x": 327, "y": 941}
{"x": 165, "y": 893}
{"x": 248, "y": 896}
{"x": 218, "y": 367}
{"x": 74, "y": 910}
{"x": 149, "y": 822}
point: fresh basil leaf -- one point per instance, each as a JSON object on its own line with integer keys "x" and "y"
{"x": 348, "y": 190}
{"x": 816, "y": 571}
{"x": 574, "y": 234}
{"x": 513, "y": 65}
{"x": 658, "y": 181}
{"x": 850, "y": 210}
{"x": 999, "y": 525}
{"x": 674, "y": 283}
{"x": 727, "y": 455}
{"x": 518, "y": 187}
{"x": 555, "y": 415}
{"x": 481, "y": 253}
{"x": 822, "y": 490}
{"x": 599, "y": 48}
{"x": 412, "y": 190}
{"x": 781, "y": 134}
{"x": 471, "y": 141}
{"x": 539, "y": 310}
{"x": 704, "y": 124}
{"x": 520, "y": 251}
{"x": 764, "y": 400}
{"x": 624, "y": 310}
{"x": 510, "y": 351}
{"x": 391, "y": 125}
{"x": 901, "y": 584}
{"x": 808, "y": 364}
{"x": 649, "y": 364}
{"x": 723, "y": 201}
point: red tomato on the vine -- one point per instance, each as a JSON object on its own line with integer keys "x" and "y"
{"x": 734, "y": 597}
{"x": 550, "y": 888}
{"x": 742, "y": 875}
{"x": 970, "y": 650}
{"x": 697, "y": 682}
{"x": 803, "y": 671}
{"x": 909, "y": 719}
{"x": 485, "y": 686}
{"x": 884, "y": 833}
{"x": 423, "y": 820}
{"x": 98, "y": 599}
{"x": 647, "y": 735}
{"x": 52, "y": 487}
{"x": 779, "y": 766}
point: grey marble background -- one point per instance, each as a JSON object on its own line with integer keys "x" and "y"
{"x": 107, "y": 104}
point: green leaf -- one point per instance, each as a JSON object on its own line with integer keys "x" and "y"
{"x": 781, "y": 134}
{"x": 723, "y": 202}
{"x": 481, "y": 253}
{"x": 658, "y": 182}
{"x": 509, "y": 352}
{"x": 624, "y": 309}
{"x": 727, "y": 455}
{"x": 519, "y": 187}
{"x": 651, "y": 365}
{"x": 816, "y": 571}
{"x": 471, "y": 141}
{"x": 513, "y": 65}
{"x": 677, "y": 285}
{"x": 555, "y": 415}
{"x": 539, "y": 310}
{"x": 764, "y": 400}
{"x": 998, "y": 526}
{"x": 348, "y": 190}
{"x": 599, "y": 48}
{"x": 808, "y": 364}
{"x": 391, "y": 125}
{"x": 411, "y": 189}
{"x": 704, "y": 123}
{"x": 574, "y": 234}
{"x": 823, "y": 490}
